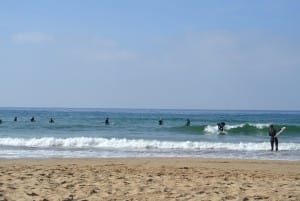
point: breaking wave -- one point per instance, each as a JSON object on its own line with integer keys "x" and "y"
{"x": 245, "y": 128}
{"x": 123, "y": 143}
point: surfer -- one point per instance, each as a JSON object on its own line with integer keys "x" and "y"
{"x": 0, "y": 121}
{"x": 160, "y": 121}
{"x": 273, "y": 138}
{"x": 51, "y": 121}
{"x": 106, "y": 121}
{"x": 188, "y": 122}
{"x": 32, "y": 119}
{"x": 15, "y": 119}
{"x": 221, "y": 126}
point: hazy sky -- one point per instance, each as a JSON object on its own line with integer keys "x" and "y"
{"x": 150, "y": 54}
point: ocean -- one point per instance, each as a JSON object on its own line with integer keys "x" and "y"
{"x": 82, "y": 133}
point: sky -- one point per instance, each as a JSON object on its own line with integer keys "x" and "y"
{"x": 170, "y": 54}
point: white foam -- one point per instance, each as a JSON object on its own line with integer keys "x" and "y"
{"x": 211, "y": 129}
{"x": 228, "y": 127}
{"x": 260, "y": 126}
{"x": 117, "y": 143}
{"x": 214, "y": 128}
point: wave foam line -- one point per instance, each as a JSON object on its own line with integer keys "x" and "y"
{"x": 86, "y": 142}
{"x": 245, "y": 126}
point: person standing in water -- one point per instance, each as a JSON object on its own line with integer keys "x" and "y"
{"x": 15, "y": 119}
{"x": 273, "y": 139}
{"x": 188, "y": 122}
{"x": 160, "y": 121}
{"x": 106, "y": 121}
{"x": 221, "y": 126}
{"x": 32, "y": 119}
{"x": 51, "y": 121}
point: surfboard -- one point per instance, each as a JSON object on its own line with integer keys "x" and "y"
{"x": 280, "y": 131}
{"x": 222, "y": 133}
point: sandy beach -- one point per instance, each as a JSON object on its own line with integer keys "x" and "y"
{"x": 149, "y": 179}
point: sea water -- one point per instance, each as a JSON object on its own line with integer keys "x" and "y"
{"x": 82, "y": 133}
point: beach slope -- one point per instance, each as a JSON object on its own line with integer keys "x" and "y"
{"x": 149, "y": 179}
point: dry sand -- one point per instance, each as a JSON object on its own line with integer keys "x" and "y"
{"x": 149, "y": 179}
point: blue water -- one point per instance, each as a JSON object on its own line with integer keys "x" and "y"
{"x": 136, "y": 133}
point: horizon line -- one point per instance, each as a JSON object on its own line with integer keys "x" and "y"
{"x": 128, "y": 108}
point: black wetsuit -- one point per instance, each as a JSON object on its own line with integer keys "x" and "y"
{"x": 106, "y": 121}
{"x": 221, "y": 126}
{"x": 188, "y": 122}
{"x": 272, "y": 133}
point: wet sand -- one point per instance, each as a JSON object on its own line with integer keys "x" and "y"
{"x": 149, "y": 179}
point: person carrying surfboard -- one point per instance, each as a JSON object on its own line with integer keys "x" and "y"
{"x": 272, "y": 133}
{"x": 273, "y": 136}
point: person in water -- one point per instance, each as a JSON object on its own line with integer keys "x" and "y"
{"x": 0, "y": 121}
{"x": 221, "y": 126}
{"x": 51, "y": 121}
{"x": 106, "y": 121}
{"x": 15, "y": 119}
{"x": 188, "y": 122}
{"x": 160, "y": 121}
{"x": 32, "y": 119}
{"x": 273, "y": 139}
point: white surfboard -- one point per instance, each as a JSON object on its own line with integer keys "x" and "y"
{"x": 222, "y": 133}
{"x": 280, "y": 131}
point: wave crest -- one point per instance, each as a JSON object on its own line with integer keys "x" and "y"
{"x": 116, "y": 143}
{"x": 247, "y": 128}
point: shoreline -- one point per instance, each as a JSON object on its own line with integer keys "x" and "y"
{"x": 148, "y": 179}
{"x": 183, "y": 158}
